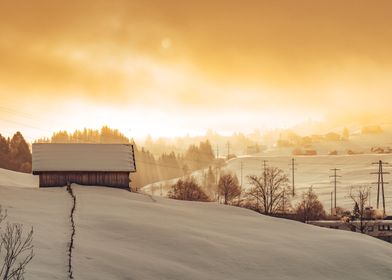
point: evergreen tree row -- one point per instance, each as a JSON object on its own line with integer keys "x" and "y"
{"x": 15, "y": 153}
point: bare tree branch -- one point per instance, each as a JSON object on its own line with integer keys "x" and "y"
{"x": 359, "y": 195}
{"x": 269, "y": 190}
{"x": 16, "y": 250}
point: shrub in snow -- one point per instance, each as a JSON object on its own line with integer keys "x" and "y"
{"x": 187, "y": 189}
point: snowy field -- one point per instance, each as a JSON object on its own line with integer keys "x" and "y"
{"x": 315, "y": 171}
{"x": 311, "y": 171}
{"x": 123, "y": 235}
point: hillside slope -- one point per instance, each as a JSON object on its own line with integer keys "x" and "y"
{"x": 123, "y": 235}
{"x": 17, "y": 179}
{"x": 310, "y": 171}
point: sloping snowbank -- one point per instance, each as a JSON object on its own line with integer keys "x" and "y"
{"x": 46, "y": 210}
{"x": 10, "y": 178}
{"x": 122, "y": 235}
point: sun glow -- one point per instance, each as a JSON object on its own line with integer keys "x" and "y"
{"x": 166, "y": 73}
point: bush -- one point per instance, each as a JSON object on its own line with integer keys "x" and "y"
{"x": 187, "y": 189}
{"x": 310, "y": 208}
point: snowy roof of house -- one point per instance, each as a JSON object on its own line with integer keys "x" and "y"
{"x": 83, "y": 157}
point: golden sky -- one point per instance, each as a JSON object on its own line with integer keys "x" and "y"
{"x": 171, "y": 67}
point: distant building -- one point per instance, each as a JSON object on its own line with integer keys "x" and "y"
{"x": 381, "y": 229}
{"x": 254, "y": 149}
{"x": 85, "y": 164}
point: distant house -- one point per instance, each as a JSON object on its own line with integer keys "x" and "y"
{"x": 381, "y": 229}
{"x": 85, "y": 164}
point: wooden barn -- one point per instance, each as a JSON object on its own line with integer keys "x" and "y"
{"x": 85, "y": 164}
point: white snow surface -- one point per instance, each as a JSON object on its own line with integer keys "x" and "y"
{"x": 17, "y": 179}
{"x": 83, "y": 157}
{"x": 46, "y": 210}
{"x": 123, "y": 235}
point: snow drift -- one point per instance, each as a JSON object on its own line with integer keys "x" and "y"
{"x": 17, "y": 179}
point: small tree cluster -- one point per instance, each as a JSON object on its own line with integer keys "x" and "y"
{"x": 187, "y": 189}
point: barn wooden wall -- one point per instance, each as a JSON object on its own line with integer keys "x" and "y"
{"x": 110, "y": 179}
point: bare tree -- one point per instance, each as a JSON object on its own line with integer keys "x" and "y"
{"x": 310, "y": 208}
{"x": 269, "y": 191}
{"x": 228, "y": 187}
{"x": 359, "y": 195}
{"x": 16, "y": 250}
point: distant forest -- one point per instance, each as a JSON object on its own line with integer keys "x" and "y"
{"x": 15, "y": 154}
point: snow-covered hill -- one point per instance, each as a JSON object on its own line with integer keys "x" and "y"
{"x": 312, "y": 171}
{"x": 123, "y": 235}
{"x": 17, "y": 179}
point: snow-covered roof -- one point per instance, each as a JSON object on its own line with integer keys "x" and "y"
{"x": 83, "y": 157}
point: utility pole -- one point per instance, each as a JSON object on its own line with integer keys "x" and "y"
{"x": 239, "y": 197}
{"x": 242, "y": 167}
{"x": 264, "y": 168}
{"x": 228, "y": 149}
{"x": 265, "y": 165}
{"x": 331, "y": 202}
{"x": 292, "y": 174}
{"x": 380, "y": 183}
{"x": 216, "y": 175}
{"x": 216, "y": 165}
{"x": 265, "y": 171}
{"x": 334, "y": 176}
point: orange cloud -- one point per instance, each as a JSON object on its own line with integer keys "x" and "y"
{"x": 308, "y": 56}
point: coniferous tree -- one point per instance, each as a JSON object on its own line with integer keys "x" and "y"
{"x": 15, "y": 153}
{"x": 4, "y": 152}
{"x": 20, "y": 155}
{"x": 356, "y": 211}
{"x": 310, "y": 208}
